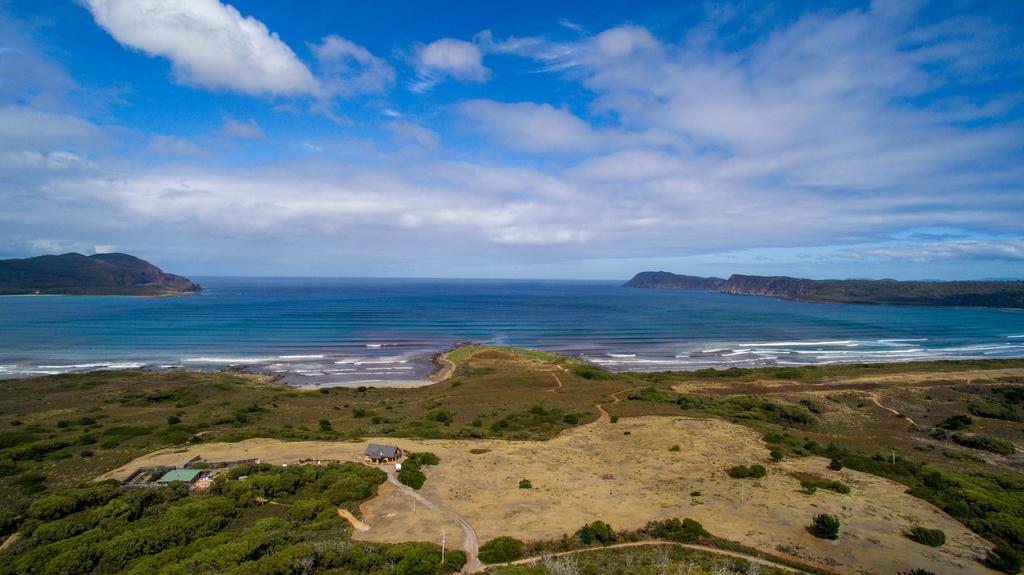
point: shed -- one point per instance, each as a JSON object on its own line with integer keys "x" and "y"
{"x": 382, "y": 453}
{"x": 186, "y": 475}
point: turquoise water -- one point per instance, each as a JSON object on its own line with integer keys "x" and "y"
{"x": 331, "y": 330}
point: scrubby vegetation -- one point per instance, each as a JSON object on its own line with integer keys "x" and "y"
{"x": 102, "y": 528}
{"x": 501, "y": 550}
{"x": 811, "y": 482}
{"x": 984, "y": 443}
{"x": 744, "y": 472}
{"x": 925, "y": 536}
{"x": 596, "y": 532}
{"x": 825, "y": 526}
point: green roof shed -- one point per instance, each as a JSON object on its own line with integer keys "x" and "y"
{"x": 186, "y": 475}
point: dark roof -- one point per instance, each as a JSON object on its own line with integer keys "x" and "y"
{"x": 374, "y": 451}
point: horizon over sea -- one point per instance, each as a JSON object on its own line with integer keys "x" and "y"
{"x": 321, "y": 331}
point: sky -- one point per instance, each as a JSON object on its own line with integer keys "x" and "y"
{"x": 517, "y": 139}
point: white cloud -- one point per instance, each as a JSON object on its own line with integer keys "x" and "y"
{"x": 350, "y": 68}
{"x": 448, "y": 58}
{"x": 210, "y": 44}
{"x": 241, "y": 128}
{"x": 413, "y": 132}
{"x": 967, "y": 250}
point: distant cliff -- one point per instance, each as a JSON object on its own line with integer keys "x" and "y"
{"x": 100, "y": 274}
{"x": 1003, "y": 294}
{"x": 666, "y": 280}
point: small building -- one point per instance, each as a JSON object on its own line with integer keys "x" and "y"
{"x": 382, "y": 453}
{"x": 187, "y": 475}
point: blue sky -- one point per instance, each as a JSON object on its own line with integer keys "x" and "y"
{"x": 529, "y": 139}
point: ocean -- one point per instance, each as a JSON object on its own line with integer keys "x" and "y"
{"x": 319, "y": 331}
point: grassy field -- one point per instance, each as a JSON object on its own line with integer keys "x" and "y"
{"x": 954, "y": 427}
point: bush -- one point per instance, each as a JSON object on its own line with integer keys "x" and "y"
{"x": 1004, "y": 559}
{"x": 325, "y": 425}
{"x": 674, "y": 448}
{"x": 685, "y": 531}
{"x": 8, "y": 522}
{"x": 957, "y": 422}
{"x": 424, "y": 458}
{"x": 776, "y": 455}
{"x": 596, "y": 532}
{"x": 825, "y": 526}
{"x": 173, "y": 420}
{"x": 615, "y": 419}
{"x": 744, "y": 472}
{"x": 525, "y": 484}
{"x": 501, "y": 550}
{"x": 411, "y": 474}
{"x": 925, "y": 536}
{"x": 835, "y": 464}
{"x": 985, "y": 443}
{"x": 812, "y": 482}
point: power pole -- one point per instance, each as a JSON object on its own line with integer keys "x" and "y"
{"x": 894, "y": 456}
{"x": 442, "y": 547}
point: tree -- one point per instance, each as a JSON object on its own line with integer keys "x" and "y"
{"x": 825, "y": 526}
{"x": 501, "y": 550}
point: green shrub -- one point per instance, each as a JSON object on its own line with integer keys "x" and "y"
{"x": 993, "y": 410}
{"x": 525, "y": 484}
{"x": 825, "y": 526}
{"x": 925, "y": 536}
{"x": 8, "y": 522}
{"x": 957, "y": 422}
{"x": 173, "y": 420}
{"x": 424, "y": 458}
{"x": 685, "y": 531}
{"x": 325, "y": 425}
{"x": 1004, "y": 559}
{"x": 674, "y": 448}
{"x": 615, "y": 419}
{"x": 835, "y": 464}
{"x": 776, "y": 455}
{"x": 984, "y": 443}
{"x": 744, "y": 472}
{"x": 596, "y": 532}
{"x": 811, "y": 482}
{"x": 501, "y": 550}
{"x": 411, "y": 474}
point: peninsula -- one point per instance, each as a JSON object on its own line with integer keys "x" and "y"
{"x": 100, "y": 274}
{"x": 1001, "y": 294}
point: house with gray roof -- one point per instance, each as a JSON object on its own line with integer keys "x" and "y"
{"x": 382, "y": 453}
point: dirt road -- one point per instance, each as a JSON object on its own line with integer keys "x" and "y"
{"x": 713, "y": 550}
{"x": 470, "y": 543}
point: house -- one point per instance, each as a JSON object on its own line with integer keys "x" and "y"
{"x": 187, "y": 475}
{"x": 382, "y": 453}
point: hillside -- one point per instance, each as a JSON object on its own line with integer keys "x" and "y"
{"x": 100, "y": 274}
{"x": 1001, "y": 294}
{"x": 667, "y": 280}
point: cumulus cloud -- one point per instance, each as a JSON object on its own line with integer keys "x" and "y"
{"x": 448, "y": 58}
{"x": 209, "y": 44}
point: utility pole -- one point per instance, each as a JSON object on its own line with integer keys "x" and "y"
{"x": 894, "y": 456}
{"x": 442, "y": 547}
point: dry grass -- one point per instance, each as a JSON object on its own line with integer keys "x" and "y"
{"x": 598, "y": 472}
